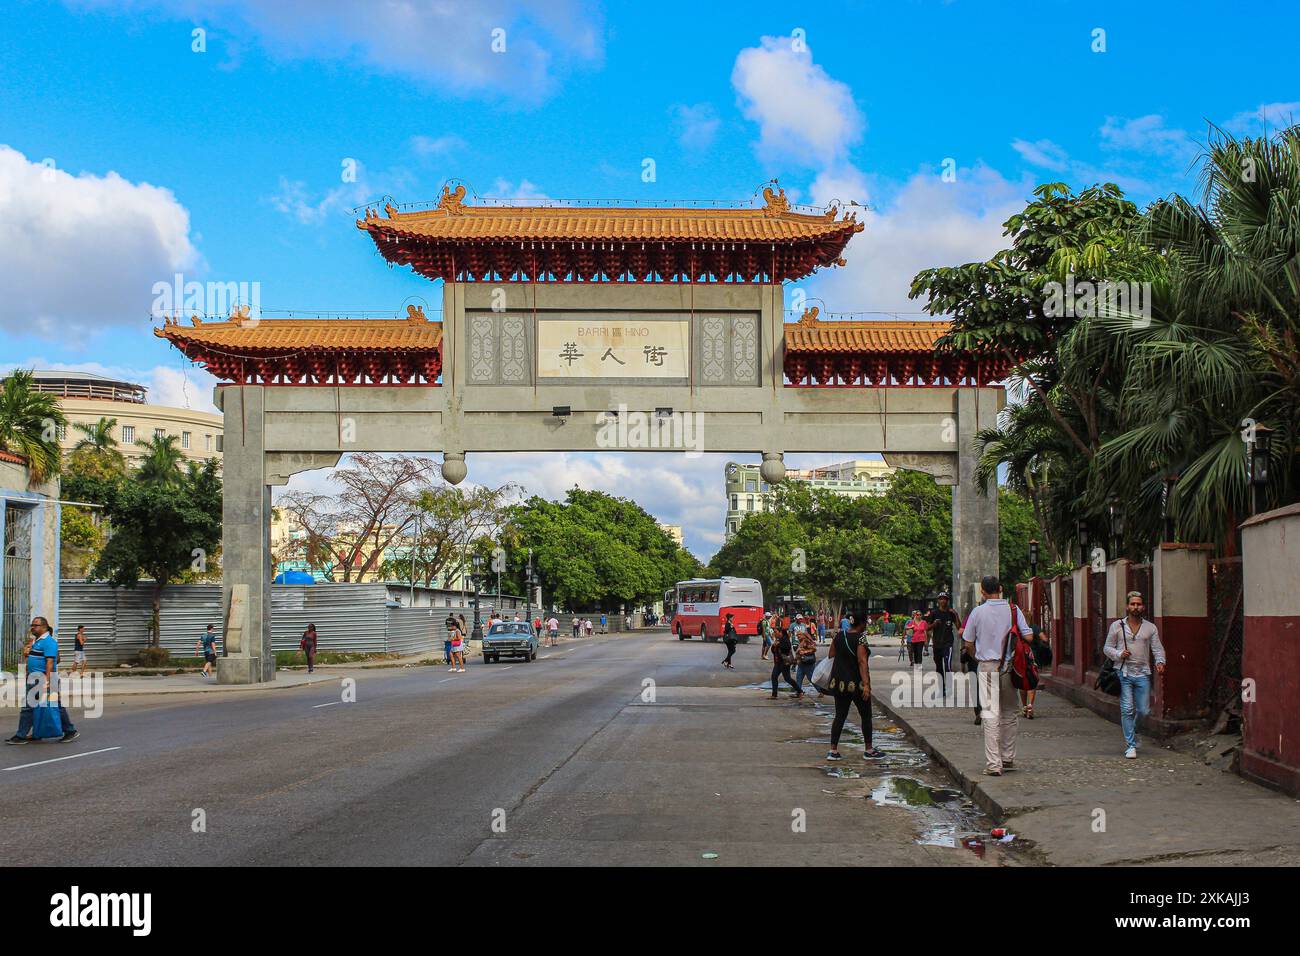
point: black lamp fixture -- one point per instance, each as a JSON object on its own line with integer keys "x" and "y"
{"x": 663, "y": 411}
{"x": 1260, "y": 452}
{"x": 561, "y": 411}
{"x": 1116, "y": 524}
{"x": 1033, "y": 557}
{"x": 1081, "y": 532}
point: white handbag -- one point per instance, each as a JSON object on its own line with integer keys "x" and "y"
{"x": 821, "y": 675}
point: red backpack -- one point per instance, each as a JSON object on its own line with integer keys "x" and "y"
{"x": 1024, "y": 666}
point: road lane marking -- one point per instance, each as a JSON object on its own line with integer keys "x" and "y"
{"x": 507, "y": 667}
{"x": 445, "y": 679}
{"x": 330, "y": 704}
{"x": 88, "y": 753}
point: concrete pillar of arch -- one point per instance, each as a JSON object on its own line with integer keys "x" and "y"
{"x": 246, "y": 541}
{"x": 974, "y": 514}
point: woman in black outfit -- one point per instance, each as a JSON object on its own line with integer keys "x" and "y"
{"x": 850, "y": 684}
{"x": 782, "y": 658}
{"x": 729, "y": 637}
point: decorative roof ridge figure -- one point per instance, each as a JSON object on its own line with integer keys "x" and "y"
{"x": 415, "y": 313}
{"x": 775, "y": 201}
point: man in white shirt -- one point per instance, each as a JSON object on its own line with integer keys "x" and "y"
{"x": 985, "y": 637}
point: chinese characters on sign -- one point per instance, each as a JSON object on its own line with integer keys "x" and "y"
{"x": 628, "y": 348}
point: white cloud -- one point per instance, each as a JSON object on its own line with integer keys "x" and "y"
{"x": 436, "y": 145}
{"x": 1043, "y": 153}
{"x": 450, "y": 44}
{"x": 927, "y": 223}
{"x": 802, "y": 113}
{"x": 697, "y": 125}
{"x": 1273, "y": 116}
{"x": 83, "y": 251}
{"x": 503, "y": 189}
{"x": 1147, "y": 135}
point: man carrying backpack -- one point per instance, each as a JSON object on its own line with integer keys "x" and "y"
{"x": 989, "y": 638}
{"x": 1131, "y": 643}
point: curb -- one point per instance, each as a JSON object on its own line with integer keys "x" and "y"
{"x": 973, "y": 788}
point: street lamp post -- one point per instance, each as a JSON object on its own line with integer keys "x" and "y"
{"x": 1116, "y": 527}
{"x": 528, "y": 584}
{"x": 1081, "y": 532}
{"x": 1260, "y": 449}
{"x": 477, "y": 633}
{"x": 1033, "y": 557}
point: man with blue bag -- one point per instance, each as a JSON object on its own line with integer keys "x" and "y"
{"x": 42, "y": 715}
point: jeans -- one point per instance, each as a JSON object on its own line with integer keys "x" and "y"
{"x": 804, "y": 670}
{"x": 780, "y": 669}
{"x": 1134, "y": 702}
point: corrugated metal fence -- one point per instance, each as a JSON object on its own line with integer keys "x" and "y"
{"x": 354, "y": 618}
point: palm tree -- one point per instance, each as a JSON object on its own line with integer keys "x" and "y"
{"x": 161, "y": 464}
{"x": 1223, "y": 349}
{"x": 30, "y": 422}
{"x": 97, "y": 441}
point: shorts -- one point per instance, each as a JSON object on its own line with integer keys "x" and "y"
{"x": 209, "y": 658}
{"x": 78, "y": 657}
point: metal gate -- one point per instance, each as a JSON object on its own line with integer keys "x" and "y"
{"x": 1223, "y": 682}
{"x": 1067, "y": 620}
{"x": 1096, "y": 617}
{"x": 17, "y": 562}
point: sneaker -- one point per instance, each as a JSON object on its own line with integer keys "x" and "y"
{"x": 70, "y": 735}
{"x": 992, "y": 773}
{"x": 872, "y": 754}
{"x": 460, "y": 670}
{"x": 1131, "y": 753}
{"x": 16, "y": 740}
{"x": 452, "y": 669}
{"x": 1008, "y": 765}
{"x": 833, "y": 755}
{"x": 977, "y": 720}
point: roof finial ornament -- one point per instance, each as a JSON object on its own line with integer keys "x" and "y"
{"x": 240, "y": 315}
{"x": 775, "y": 200}
{"x": 809, "y": 316}
{"x": 195, "y": 320}
{"x": 415, "y": 313}
{"x": 451, "y": 201}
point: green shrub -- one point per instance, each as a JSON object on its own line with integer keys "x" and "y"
{"x": 153, "y": 656}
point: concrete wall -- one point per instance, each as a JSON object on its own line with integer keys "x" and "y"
{"x": 1180, "y": 608}
{"x": 1271, "y": 649}
{"x": 43, "y": 500}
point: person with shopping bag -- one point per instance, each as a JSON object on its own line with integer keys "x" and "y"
{"x": 42, "y": 716}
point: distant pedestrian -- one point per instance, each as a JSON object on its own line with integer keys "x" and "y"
{"x": 604, "y": 623}
{"x": 1132, "y": 643}
{"x": 729, "y": 637}
{"x": 589, "y": 626}
{"x": 42, "y": 667}
{"x": 458, "y": 649}
{"x": 766, "y": 627}
{"x": 79, "y": 651}
{"x": 844, "y": 625}
{"x": 782, "y": 658}
{"x": 806, "y": 656}
{"x": 553, "y": 630}
{"x": 207, "y": 646}
{"x": 308, "y": 644}
{"x": 987, "y": 636}
{"x": 451, "y": 624}
{"x": 916, "y": 637}
{"x": 850, "y": 685}
{"x": 942, "y": 624}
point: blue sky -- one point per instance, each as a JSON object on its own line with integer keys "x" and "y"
{"x": 127, "y": 156}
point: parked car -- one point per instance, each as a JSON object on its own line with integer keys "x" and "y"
{"x": 510, "y": 639}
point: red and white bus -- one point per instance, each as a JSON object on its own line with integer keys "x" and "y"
{"x": 701, "y": 606}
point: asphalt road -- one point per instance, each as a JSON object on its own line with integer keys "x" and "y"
{"x": 626, "y": 750}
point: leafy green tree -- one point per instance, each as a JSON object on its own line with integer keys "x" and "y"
{"x": 1016, "y": 526}
{"x": 162, "y": 531}
{"x": 30, "y": 421}
{"x": 594, "y": 550}
{"x": 97, "y": 444}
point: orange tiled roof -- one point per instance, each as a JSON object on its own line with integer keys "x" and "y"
{"x": 452, "y": 220}
{"x": 12, "y": 457}
{"x": 811, "y": 335}
{"x": 244, "y": 335}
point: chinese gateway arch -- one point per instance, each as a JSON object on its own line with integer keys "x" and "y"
{"x": 548, "y": 309}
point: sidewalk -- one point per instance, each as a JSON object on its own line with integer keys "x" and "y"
{"x": 1075, "y": 795}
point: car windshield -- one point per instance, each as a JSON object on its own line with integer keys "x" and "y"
{"x": 512, "y": 628}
